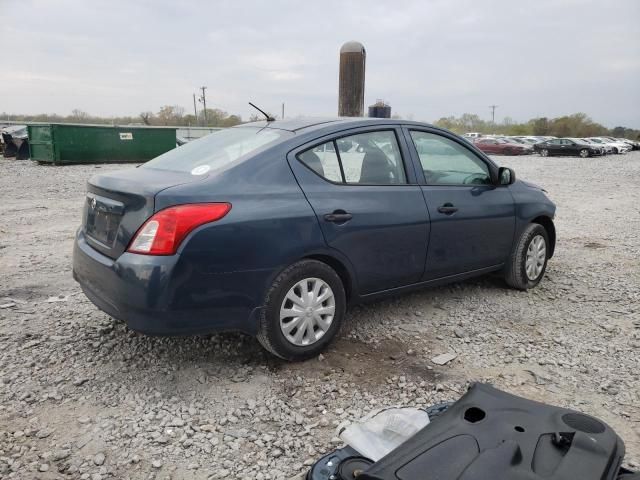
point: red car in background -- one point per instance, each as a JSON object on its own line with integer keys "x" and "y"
{"x": 502, "y": 147}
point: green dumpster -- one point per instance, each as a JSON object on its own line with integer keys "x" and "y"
{"x": 60, "y": 143}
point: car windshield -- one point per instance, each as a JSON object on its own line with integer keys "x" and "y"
{"x": 217, "y": 150}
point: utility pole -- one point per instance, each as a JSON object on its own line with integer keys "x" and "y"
{"x": 203, "y": 99}
{"x": 493, "y": 113}
{"x": 195, "y": 110}
{"x": 282, "y": 110}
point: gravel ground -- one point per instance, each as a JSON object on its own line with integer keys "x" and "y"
{"x": 81, "y": 396}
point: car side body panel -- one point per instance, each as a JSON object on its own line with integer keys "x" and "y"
{"x": 222, "y": 271}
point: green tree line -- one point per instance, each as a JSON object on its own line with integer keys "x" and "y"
{"x": 173, "y": 115}
{"x": 576, "y": 125}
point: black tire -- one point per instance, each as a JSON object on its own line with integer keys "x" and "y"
{"x": 515, "y": 272}
{"x": 544, "y": 152}
{"x": 584, "y": 153}
{"x": 270, "y": 334}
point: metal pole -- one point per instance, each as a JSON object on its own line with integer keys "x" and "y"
{"x": 493, "y": 113}
{"x": 282, "y": 110}
{"x": 195, "y": 110}
{"x": 204, "y": 103}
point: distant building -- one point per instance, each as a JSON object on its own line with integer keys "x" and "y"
{"x": 380, "y": 109}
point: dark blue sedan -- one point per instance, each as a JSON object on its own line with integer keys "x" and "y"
{"x": 275, "y": 228}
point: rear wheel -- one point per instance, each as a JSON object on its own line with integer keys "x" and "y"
{"x": 584, "y": 153}
{"x": 304, "y": 310}
{"x": 528, "y": 260}
{"x": 544, "y": 152}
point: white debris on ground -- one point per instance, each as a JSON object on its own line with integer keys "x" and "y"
{"x": 81, "y": 396}
{"x": 444, "y": 358}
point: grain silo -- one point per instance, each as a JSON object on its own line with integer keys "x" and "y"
{"x": 351, "y": 82}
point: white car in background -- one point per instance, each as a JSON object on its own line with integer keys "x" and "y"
{"x": 617, "y": 147}
{"x": 472, "y": 135}
{"x": 630, "y": 143}
{"x": 607, "y": 148}
{"x": 531, "y": 140}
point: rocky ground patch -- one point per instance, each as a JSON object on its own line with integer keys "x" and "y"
{"x": 81, "y": 396}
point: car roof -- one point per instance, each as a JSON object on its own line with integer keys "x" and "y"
{"x": 311, "y": 123}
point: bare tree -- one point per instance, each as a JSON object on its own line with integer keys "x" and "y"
{"x": 146, "y": 117}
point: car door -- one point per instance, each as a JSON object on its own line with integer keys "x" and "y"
{"x": 571, "y": 148}
{"x": 368, "y": 204}
{"x": 472, "y": 219}
{"x": 563, "y": 147}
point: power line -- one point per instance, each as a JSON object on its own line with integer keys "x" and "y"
{"x": 203, "y": 99}
{"x": 493, "y": 112}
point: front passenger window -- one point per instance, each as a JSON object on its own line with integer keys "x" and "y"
{"x": 446, "y": 162}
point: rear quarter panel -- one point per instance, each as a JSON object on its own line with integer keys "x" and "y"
{"x": 270, "y": 226}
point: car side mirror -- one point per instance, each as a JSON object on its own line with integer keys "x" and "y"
{"x": 506, "y": 176}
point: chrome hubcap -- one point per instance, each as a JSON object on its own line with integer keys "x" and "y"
{"x": 584, "y": 153}
{"x": 536, "y": 256}
{"x": 307, "y": 311}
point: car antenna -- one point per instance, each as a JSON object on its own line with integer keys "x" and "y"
{"x": 269, "y": 117}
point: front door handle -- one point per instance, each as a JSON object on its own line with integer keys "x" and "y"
{"x": 338, "y": 216}
{"x": 448, "y": 209}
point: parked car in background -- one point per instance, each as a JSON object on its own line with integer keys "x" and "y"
{"x": 616, "y": 147}
{"x": 502, "y": 146}
{"x": 629, "y": 143}
{"x": 607, "y": 148}
{"x": 472, "y": 135}
{"x": 568, "y": 146}
{"x": 273, "y": 228}
{"x": 514, "y": 140}
{"x": 529, "y": 140}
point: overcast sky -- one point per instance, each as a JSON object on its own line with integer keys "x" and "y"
{"x": 427, "y": 58}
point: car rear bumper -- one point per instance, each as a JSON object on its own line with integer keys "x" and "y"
{"x": 165, "y": 295}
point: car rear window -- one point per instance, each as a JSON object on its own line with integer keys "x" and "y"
{"x": 217, "y": 150}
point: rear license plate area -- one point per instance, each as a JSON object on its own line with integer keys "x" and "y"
{"x": 103, "y": 219}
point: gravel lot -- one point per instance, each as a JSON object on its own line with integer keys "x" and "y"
{"x": 81, "y": 396}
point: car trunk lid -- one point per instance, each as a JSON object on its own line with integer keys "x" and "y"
{"x": 118, "y": 203}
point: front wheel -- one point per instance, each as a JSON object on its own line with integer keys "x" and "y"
{"x": 544, "y": 152}
{"x": 584, "y": 153}
{"x": 304, "y": 310}
{"x": 528, "y": 260}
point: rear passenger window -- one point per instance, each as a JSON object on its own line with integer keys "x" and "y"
{"x": 371, "y": 158}
{"x": 323, "y": 160}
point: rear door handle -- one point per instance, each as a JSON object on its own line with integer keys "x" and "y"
{"x": 339, "y": 216}
{"x": 448, "y": 209}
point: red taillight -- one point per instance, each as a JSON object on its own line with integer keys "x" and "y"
{"x": 163, "y": 233}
